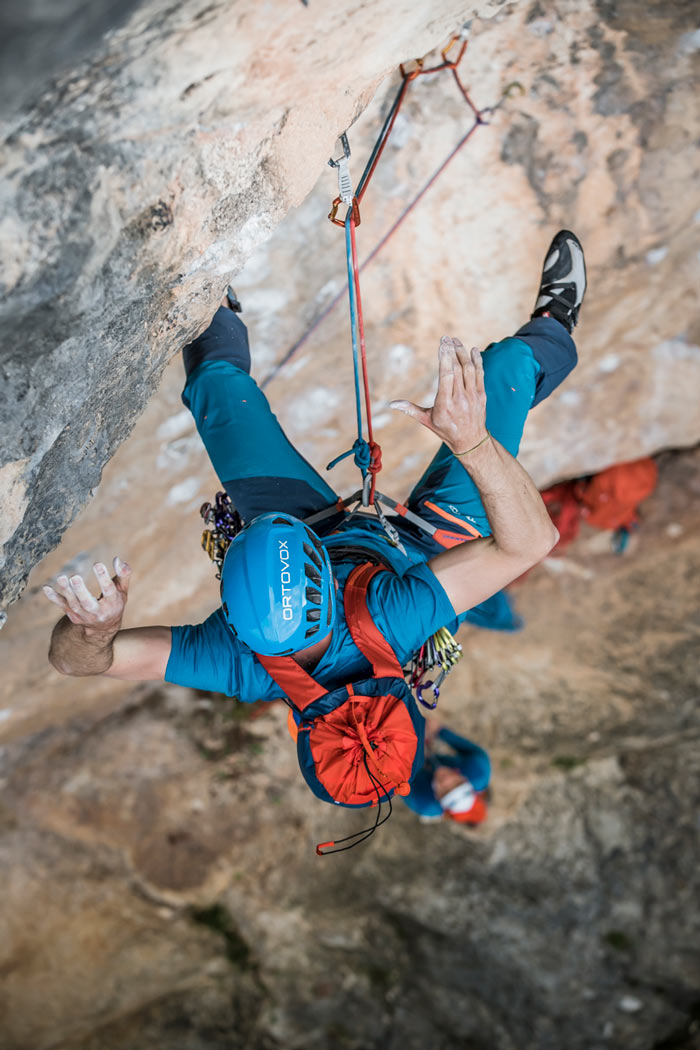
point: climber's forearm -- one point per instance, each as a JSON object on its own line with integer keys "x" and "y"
{"x": 520, "y": 524}
{"x": 80, "y": 651}
{"x": 522, "y": 533}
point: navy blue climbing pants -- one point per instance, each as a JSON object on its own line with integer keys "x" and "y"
{"x": 262, "y": 471}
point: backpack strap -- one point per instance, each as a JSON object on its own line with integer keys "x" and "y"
{"x": 295, "y": 683}
{"x": 365, "y": 633}
{"x": 299, "y": 686}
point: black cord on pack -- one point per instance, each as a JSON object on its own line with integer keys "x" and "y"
{"x": 366, "y": 832}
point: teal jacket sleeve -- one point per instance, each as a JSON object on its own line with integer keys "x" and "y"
{"x": 207, "y": 656}
{"x": 407, "y": 609}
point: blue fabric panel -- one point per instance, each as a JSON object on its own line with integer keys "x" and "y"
{"x": 553, "y": 349}
{"x": 245, "y": 440}
{"x": 495, "y": 614}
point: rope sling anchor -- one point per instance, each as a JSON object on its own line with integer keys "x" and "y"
{"x": 441, "y": 651}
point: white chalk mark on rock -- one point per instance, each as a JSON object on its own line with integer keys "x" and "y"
{"x": 185, "y": 491}
{"x": 174, "y": 427}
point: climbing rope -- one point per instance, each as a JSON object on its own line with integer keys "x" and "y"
{"x": 406, "y": 79}
{"x": 441, "y": 650}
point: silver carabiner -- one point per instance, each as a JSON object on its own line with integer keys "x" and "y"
{"x": 391, "y": 532}
{"x": 345, "y": 190}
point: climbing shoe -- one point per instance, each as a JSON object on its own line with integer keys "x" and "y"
{"x": 233, "y": 300}
{"x": 563, "y": 284}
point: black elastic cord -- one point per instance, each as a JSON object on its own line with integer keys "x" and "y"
{"x": 366, "y": 832}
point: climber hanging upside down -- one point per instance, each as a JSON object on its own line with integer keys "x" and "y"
{"x": 283, "y": 585}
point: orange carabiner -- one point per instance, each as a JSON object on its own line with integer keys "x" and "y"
{"x": 455, "y": 62}
{"x": 332, "y": 214}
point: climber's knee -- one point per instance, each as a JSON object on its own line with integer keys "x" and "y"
{"x": 553, "y": 349}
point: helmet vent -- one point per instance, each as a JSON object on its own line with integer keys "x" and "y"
{"x": 313, "y": 615}
{"x": 315, "y": 540}
{"x": 283, "y": 521}
{"x": 311, "y": 553}
{"x": 314, "y": 595}
{"x": 311, "y": 630}
{"x": 312, "y": 573}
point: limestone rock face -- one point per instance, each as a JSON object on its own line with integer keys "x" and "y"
{"x": 133, "y": 188}
{"x": 160, "y": 886}
{"x": 136, "y": 184}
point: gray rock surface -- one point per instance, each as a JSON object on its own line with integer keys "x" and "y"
{"x": 160, "y": 887}
{"x": 132, "y": 188}
{"x": 138, "y": 182}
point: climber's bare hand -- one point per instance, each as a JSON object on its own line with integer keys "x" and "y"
{"x": 458, "y": 416}
{"x": 101, "y": 615}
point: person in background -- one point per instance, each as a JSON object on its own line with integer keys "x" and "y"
{"x": 453, "y": 783}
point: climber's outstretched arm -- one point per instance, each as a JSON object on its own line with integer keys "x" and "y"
{"x": 522, "y": 533}
{"x": 88, "y": 640}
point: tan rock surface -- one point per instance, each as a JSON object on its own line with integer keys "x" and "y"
{"x": 161, "y": 889}
{"x": 130, "y": 816}
{"x": 134, "y": 187}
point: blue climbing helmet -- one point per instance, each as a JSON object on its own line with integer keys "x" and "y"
{"x": 277, "y": 586}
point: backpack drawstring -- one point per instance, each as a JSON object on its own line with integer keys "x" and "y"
{"x": 370, "y": 751}
{"x": 366, "y": 833}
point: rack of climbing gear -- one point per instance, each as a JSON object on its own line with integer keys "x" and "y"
{"x": 441, "y": 651}
{"x": 225, "y": 522}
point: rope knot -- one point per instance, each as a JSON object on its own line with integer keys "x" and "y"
{"x": 375, "y": 463}
{"x": 363, "y": 454}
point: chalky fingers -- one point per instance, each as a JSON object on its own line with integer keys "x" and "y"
{"x": 466, "y": 364}
{"x": 64, "y": 589}
{"x": 109, "y": 591}
{"x": 87, "y": 602}
{"x": 446, "y": 371}
{"x": 55, "y": 598}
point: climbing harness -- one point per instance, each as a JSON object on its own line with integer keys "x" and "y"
{"x": 440, "y": 651}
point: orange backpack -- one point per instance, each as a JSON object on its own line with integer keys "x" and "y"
{"x": 358, "y": 744}
{"x": 610, "y": 499}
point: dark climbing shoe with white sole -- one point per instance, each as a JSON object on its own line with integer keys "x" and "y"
{"x": 563, "y": 284}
